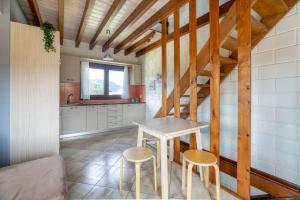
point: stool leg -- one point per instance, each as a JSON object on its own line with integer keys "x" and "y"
{"x": 217, "y": 181}
{"x": 137, "y": 180}
{"x": 158, "y": 153}
{"x": 206, "y": 176}
{"x": 171, "y": 150}
{"x": 155, "y": 179}
{"x": 183, "y": 173}
{"x": 121, "y": 173}
{"x": 189, "y": 182}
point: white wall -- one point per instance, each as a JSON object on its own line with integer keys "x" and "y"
{"x": 275, "y": 99}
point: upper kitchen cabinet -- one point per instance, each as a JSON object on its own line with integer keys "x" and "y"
{"x": 136, "y": 75}
{"x": 69, "y": 69}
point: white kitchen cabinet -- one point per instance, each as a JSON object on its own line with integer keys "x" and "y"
{"x": 91, "y": 118}
{"x": 133, "y": 112}
{"x": 73, "y": 119}
{"x": 102, "y": 117}
{"x": 96, "y": 118}
{"x": 136, "y": 75}
{"x": 114, "y": 116}
{"x": 69, "y": 69}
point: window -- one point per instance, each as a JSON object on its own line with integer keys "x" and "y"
{"x": 105, "y": 81}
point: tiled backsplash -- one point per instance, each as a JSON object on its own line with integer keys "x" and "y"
{"x": 136, "y": 91}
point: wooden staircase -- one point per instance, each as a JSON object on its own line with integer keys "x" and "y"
{"x": 270, "y": 12}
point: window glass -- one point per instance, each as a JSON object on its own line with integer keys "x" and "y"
{"x": 115, "y": 82}
{"x": 96, "y": 81}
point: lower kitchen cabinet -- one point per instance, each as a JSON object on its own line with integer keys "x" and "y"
{"x": 73, "y": 119}
{"x": 77, "y": 119}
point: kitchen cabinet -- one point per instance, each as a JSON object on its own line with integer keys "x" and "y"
{"x": 114, "y": 116}
{"x": 96, "y": 118}
{"x": 73, "y": 119}
{"x": 69, "y": 69}
{"x": 91, "y": 118}
{"x": 102, "y": 117}
{"x": 136, "y": 75}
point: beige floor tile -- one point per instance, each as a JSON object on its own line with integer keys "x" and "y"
{"x": 108, "y": 159}
{"x": 132, "y": 195}
{"x": 106, "y": 193}
{"x": 78, "y": 190}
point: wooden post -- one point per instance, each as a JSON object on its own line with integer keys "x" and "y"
{"x": 193, "y": 67}
{"x": 176, "y": 79}
{"x": 164, "y": 66}
{"x": 244, "y": 97}
{"x": 214, "y": 46}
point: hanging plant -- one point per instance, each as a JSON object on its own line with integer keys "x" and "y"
{"x": 49, "y": 36}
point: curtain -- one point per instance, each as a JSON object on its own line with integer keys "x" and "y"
{"x": 125, "y": 94}
{"x": 85, "y": 87}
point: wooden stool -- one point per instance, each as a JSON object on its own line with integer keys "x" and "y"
{"x": 138, "y": 155}
{"x": 157, "y": 148}
{"x": 202, "y": 159}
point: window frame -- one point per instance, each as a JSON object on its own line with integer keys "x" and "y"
{"x": 106, "y": 68}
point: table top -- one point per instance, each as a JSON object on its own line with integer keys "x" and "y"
{"x": 170, "y": 125}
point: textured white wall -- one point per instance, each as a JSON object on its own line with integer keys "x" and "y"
{"x": 275, "y": 99}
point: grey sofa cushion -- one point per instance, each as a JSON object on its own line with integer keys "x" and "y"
{"x": 34, "y": 180}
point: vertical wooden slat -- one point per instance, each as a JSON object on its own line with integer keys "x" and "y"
{"x": 193, "y": 67}
{"x": 214, "y": 46}
{"x": 164, "y": 66}
{"x": 61, "y": 18}
{"x": 244, "y": 97}
{"x": 176, "y": 79}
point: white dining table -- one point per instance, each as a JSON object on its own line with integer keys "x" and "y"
{"x": 168, "y": 128}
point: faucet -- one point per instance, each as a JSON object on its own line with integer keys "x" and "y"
{"x": 69, "y": 98}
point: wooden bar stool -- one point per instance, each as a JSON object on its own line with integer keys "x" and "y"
{"x": 138, "y": 155}
{"x": 157, "y": 141}
{"x": 202, "y": 159}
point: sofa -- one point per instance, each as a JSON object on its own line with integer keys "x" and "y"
{"x": 42, "y": 179}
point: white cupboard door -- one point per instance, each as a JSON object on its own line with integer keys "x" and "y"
{"x": 102, "y": 117}
{"x": 79, "y": 121}
{"x": 91, "y": 118}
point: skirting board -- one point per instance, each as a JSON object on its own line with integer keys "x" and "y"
{"x": 98, "y": 132}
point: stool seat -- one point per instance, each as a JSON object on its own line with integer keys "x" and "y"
{"x": 200, "y": 157}
{"x": 138, "y": 154}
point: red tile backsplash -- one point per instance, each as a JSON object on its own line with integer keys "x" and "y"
{"x": 136, "y": 91}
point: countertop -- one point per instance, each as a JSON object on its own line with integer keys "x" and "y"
{"x": 96, "y": 104}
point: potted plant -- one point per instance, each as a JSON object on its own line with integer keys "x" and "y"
{"x": 49, "y": 36}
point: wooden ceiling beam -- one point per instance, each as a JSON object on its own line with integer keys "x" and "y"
{"x": 34, "y": 7}
{"x": 132, "y": 18}
{"x": 165, "y": 11}
{"x": 89, "y": 4}
{"x": 61, "y": 14}
{"x": 201, "y": 21}
{"x": 112, "y": 12}
{"x": 142, "y": 41}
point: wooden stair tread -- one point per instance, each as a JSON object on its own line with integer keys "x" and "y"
{"x": 266, "y": 8}
{"x": 227, "y": 61}
{"x": 230, "y": 44}
{"x": 208, "y": 73}
{"x": 203, "y": 85}
{"x": 257, "y": 26}
{"x": 199, "y": 96}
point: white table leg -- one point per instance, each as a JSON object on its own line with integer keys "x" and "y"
{"x": 199, "y": 147}
{"x": 171, "y": 149}
{"x": 140, "y": 137}
{"x": 164, "y": 169}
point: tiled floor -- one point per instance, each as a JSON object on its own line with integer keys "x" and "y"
{"x": 92, "y": 164}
